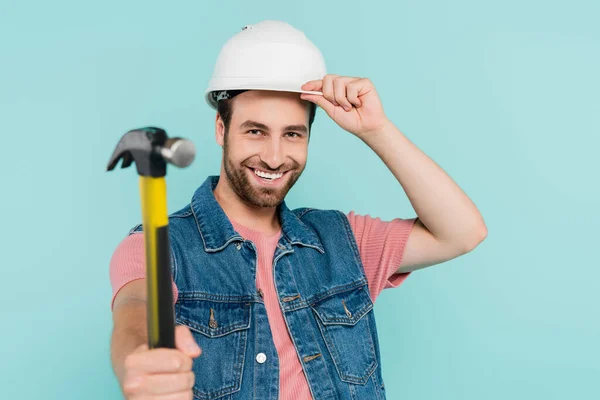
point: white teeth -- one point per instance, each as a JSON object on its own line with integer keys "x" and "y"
{"x": 267, "y": 175}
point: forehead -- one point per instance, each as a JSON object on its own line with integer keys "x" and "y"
{"x": 273, "y": 106}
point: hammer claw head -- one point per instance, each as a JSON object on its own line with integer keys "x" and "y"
{"x": 127, "y": 160}
{"x": 138, "y": 146}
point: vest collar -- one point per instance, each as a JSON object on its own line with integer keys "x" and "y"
{"x": 217, "y": 232}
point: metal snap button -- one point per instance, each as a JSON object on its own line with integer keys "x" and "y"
{"x": 261, "y": 358}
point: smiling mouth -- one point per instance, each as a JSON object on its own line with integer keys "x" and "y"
{"x": 267, "y": 176}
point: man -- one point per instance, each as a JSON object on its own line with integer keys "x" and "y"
{"x": 270, "y": 302}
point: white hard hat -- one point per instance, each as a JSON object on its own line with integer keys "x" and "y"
{"x": 269, "y": 55}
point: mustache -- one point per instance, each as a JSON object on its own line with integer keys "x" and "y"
{"x": 264, "y": 167}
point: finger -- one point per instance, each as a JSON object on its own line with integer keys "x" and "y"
{"x": 313, "y": 86}
{"x": 362, "y": 86}
{"x": 328, "y": 89}
{"x": 141, "y": 348}
{"x": 352, "y": 90}
{"x": 339, "y": 90}
{"x": 160, "y": 360}
{"x": 164, "y": 383}
{"x": 185, "y": 342}
{"x": 320, "y": 101}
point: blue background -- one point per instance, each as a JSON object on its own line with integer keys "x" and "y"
{"x": 503, "y": 95}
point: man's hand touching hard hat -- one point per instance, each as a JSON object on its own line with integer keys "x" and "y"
{"x": 353, "y": 103}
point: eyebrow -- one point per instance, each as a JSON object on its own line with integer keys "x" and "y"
{"x": 254, "y": 124}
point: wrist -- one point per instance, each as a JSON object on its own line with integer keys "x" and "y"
{"x": 386, "y": 126}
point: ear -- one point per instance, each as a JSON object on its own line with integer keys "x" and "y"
{"x": 219, "y": 130}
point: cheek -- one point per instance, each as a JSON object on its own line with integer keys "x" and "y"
{"x": 299, "y": 153}
{"x": 241, "y": 150}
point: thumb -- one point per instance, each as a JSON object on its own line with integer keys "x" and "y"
{"x": 320, "y": 101}
{"x": 185, "y": 342}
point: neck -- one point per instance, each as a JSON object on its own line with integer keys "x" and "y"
{"x": 262, "y": 219}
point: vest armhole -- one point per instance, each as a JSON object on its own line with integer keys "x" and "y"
{"x": 352, "y": 240}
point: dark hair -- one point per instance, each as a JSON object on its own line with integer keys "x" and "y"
{"x": 224, "y": 109}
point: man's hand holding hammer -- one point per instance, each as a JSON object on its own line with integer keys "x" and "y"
{"x": 144, "y": 374}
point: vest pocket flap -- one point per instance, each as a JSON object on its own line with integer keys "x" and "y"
{"x": 344, "y": 308}
{"x": 213, "y": 318}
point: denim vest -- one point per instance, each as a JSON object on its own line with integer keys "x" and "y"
{"x": 323, "y": 295}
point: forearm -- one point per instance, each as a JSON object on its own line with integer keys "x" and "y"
{"x": 440, "y": 204}
{"x": 129, "y": 333}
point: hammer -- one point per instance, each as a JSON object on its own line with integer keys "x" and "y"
{"x": 152, "y": 149}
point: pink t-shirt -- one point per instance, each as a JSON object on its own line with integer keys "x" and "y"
{"x": 381, "y": 246}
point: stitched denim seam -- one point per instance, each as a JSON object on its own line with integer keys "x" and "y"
{"x": 319, "y": 249}
{"x": 352, "y": 392}
{"x": 335, "y": 356}
{"x": 300, "y": 215}
{"x": 310, "y": 301}
{"x": 352, "y": 240}
{"x": 174, "y": 263}
{"x": 376, "y": 386}
{"x": 183, "y": 215}
{"x": 211, "y": 249}
{"x": 330, "y": 348}
{"x": 219, "y": 298}
{"x": 336, "y": 290}
{"x": 227, "y": 389}
{"x": 217, "y": 332}
{"x": 354, "y": 320}
{"x": 304, "y": 211}
{"x": 331, "y": 384}
{"x": 244, "y": 345}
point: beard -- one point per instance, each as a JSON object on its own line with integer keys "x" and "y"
{"x": 258, "y": 196}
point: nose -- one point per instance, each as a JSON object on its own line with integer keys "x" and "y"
{"x": 272, "y": 153}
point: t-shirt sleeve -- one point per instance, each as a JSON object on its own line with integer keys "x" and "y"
{"x": 381, "y": 245}
{"x": 128, "y": 263}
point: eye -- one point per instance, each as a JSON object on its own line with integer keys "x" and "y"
{"x": 255, "y": 131}
{"x": 294, "y": 134}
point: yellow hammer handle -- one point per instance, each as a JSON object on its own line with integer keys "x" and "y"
{"x": 160, "y": 313}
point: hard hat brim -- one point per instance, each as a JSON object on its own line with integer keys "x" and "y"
{"x": 211, "y": 101}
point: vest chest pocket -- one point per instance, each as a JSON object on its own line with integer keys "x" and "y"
{"x": 221, "y": 331}
{"x": 345, "y": 323}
